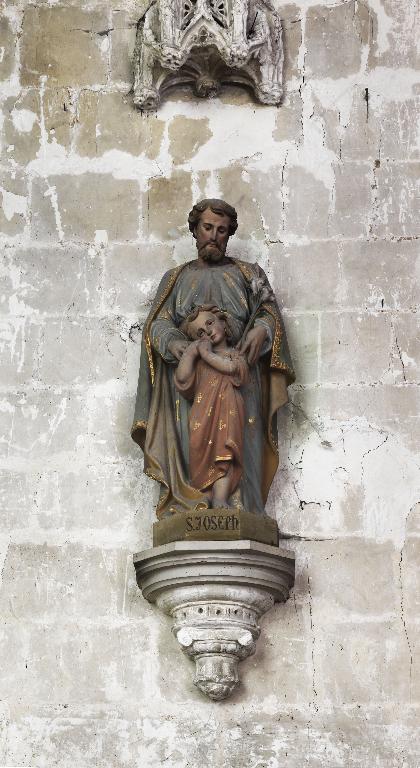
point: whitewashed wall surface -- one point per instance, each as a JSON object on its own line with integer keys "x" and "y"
{"x": 93, "y": 204}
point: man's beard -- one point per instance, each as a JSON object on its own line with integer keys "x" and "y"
{"x": 211, "y": 253}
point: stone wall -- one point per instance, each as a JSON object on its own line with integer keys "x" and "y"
{"x": 94, "y": 201}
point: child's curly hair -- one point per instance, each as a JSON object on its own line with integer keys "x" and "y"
{"x": 193, "y": 314}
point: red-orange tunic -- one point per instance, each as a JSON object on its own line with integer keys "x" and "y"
{"x": 216, "y": 423}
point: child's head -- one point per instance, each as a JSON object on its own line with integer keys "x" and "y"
{"x": 207, "y": 321}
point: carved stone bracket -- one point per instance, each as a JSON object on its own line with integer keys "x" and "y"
{"x": 216, "y": 593}
{"x": 205, "y": 44}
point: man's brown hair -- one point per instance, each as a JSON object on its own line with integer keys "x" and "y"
{"x": 216, "y": 206}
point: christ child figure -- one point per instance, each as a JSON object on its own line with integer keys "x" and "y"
{"x": 211, "y": 373}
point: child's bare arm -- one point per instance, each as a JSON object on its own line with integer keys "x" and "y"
{"x": 221, "y": 364}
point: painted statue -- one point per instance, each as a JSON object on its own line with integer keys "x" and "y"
{"x": 210, "y": 375}
{"x": 214, "y": 370}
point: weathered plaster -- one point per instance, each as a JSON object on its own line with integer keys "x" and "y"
{"x": 92, "y": 212}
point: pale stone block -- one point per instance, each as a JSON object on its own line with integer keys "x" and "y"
{"x": 352, "y": 201}
{"x": 282, "y": 647}
{"x": 292, "y": 40}
{"x": 382, "y": 402}
{"x": 378, "y": 129}
{"x": 108, "y": 121}
{"x": 15, "y": 500}
{"x": 399, "y": 139}
{"x": 413, "y": 520}
{"x": 82, "y": 352}
{"x": 63, "y": 280}
{"x": 334, "y": 37}
{"x": 396, "y": 209}
{"x": 65, "y": 45}
{"x": 186, "y": 136}
{"x": 379, "y": 275}
{"x": 341, "y": 514}
{"x": 330, "y": 121}
{"x": 13, "y": 203}
{"x": 22, "y": 131}
{"x": 395, "y": 410}
{"x": 45, "y": 222}
{"x": 289, "y": 126}
{"x": 168, "y": 203}
{"x": 398, "y": 47}
{"x": 8, "y": 47}
{"x": 361, "y": 137}
{"x": 82, "y": 496}
{"x": 302, "y": 335}
{"x": 86, "y": 204}
{"x": 354, "y": 667}
{"x": 304, "y": 204}
{"x": 116, "y": 497}
{"x": 353, "y": 580}
{"x": 306, "y": 277}
{"x": 41, "y": 424}
{"x": 354, "y": 348}
{"x": 63, "y": 661}
{"x": 132, "y": 274}
{"x": 19, "y": 342}
{"x": 123, "y": 38}
{"x": 76, "y": 580}
{"x": 410, "y": 578}
{"x": 406, "y": 354}
{"x": 111, "y": 420}
{"x": 58, "y": 115}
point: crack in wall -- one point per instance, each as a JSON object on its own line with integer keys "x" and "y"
{"x": 402, "y": 602}
{"x": 399, "y": 352}
{"x": 313, "y": 703}
{"x": 402, "y": 615}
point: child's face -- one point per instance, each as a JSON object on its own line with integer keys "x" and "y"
{"x": 208, "y": 326}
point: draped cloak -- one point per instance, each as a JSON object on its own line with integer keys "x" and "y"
{"x": 161, "y": 415}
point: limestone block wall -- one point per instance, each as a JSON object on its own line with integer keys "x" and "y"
{"x": 93, "y": 209}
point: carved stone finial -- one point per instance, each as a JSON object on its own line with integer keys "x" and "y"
{"x": 206, "y": 44}
{"x": 215, "y": 593}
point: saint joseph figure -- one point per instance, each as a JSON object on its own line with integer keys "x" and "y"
{"x": 161, "y": 421}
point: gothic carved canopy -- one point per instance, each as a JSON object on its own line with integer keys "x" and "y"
{"x": 206, "y": 44}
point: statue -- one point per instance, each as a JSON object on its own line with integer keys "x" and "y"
{"x": 210, "y": 374}
{"x": 214, "y": 371}
{"x": 206, "y": 44}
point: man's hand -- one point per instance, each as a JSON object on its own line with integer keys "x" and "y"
{"x": 253, "y": 343}
{"x": 177, "y": 347}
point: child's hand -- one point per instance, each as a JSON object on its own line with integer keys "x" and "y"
{"x": 204, "y": 346}
{"x": 192, "y": 349}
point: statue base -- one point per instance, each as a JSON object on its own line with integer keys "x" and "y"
{"x": 216, "y": 525}
{"x": 215, "y": 593}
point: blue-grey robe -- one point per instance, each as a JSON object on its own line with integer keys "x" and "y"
{"x": 162, "y": 415}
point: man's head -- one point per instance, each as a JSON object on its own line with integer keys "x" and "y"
{"x": 212, "y": 222}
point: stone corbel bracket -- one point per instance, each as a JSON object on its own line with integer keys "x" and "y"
{"x": 215, "y": 592}
{"x": 206, "y": 44}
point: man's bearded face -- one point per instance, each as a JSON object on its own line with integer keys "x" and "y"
{"x": 212, "y": 235}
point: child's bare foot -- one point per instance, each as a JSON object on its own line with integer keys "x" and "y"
{"x": 220, "y": 504}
